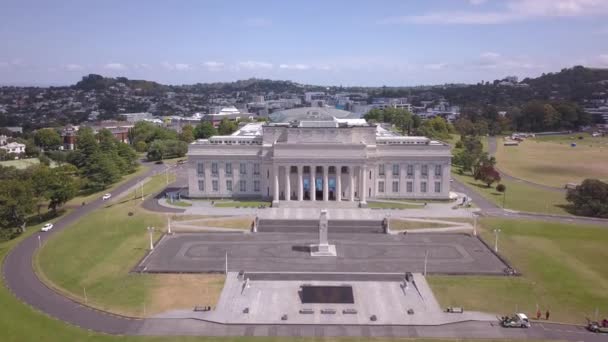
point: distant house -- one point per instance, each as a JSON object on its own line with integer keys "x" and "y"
{"x": 68, "y": 135}
{"x": 3, "y": 140}
{"x": 229, "y": 113}
{"x": 14, "y": 147}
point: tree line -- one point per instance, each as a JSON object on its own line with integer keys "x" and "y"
{"x": 411, "y": 124}
{"x": 99, "y": 161}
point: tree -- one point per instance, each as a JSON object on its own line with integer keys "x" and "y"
{"x": 551, "y": 117}
{"x": 16, "y": 203}
{"x": 501, "y": 187}
{"x": 403, "y": 120}
{"x": 63, "y": 187}
{"x": 101, "y": 171}
{"x": 590, "y": 198}
{"x": 487, "y": 174}
{"x": 162, "y": 149}
{"x": 204, "y": 130}
{"x": 435, "y": 128}
{"x": 47, "y": 139}
{"x": 187, "y": 134}
{"x": 226, "y": 127}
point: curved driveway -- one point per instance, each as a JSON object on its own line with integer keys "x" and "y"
{"x": 21, "y": 280}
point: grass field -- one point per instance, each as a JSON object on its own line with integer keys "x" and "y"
{"x": 233, "y": 204}
{"x": 519, "y": 196}
{"x": 550, "y": 160}
{"x": 21, "y": 163}
{"x": 397, "y": 224}
{"x": 563, "y": 266}
{"x": 393, "y": 205}
{"x": 109, "y": 242}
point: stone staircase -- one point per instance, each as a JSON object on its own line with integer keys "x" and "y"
{"x": 312, "y": 226}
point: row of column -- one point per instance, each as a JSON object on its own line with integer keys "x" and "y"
{"x": 313, "y": 194}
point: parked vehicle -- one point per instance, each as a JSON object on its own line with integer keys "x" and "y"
{"x": 106, "y": 197}
{"x": 598, "y": 327}
{"x": 46, "y": 227}
{"x": 519, "y": 320}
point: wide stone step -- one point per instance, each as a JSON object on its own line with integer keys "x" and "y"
{"x": 312, "y": 226}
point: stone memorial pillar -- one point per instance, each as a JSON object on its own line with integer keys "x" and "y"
{"x": 323, "y": 248}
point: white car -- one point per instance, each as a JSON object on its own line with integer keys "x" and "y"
{"x": 106, "y": 197}
{"x": 47, "y": 227}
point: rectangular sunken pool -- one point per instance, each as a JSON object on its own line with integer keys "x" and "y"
{"x": 311, "y": 294}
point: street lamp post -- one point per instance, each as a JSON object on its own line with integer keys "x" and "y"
{"x": 168, "y": 224}
{"x": 496, "y": 231}
{"x": 39, "y": 242}
{"x": 142, "y": 190}
{"x": 426, "y": 256}
{"x": 151, "y": 232}
{"x": 474, "y": 225}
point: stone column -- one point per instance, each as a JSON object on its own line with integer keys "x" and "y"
{"x": 275, "y": 199}
{"x": 338, "y": 183}
{"x": 325, "y": 183}
{"x": 363, "y": 195}
{"x": 300, "y": 183}
{"x": 351, "y": 173}
{"x": 313, "y": 185}
{"x": 287, "y": 183}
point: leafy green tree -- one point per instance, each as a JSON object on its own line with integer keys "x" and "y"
{"x": 227, "y": 127}
{"x": 162, "y": 149}
{"x": 16, "y": 203}
{"x": 101, "y": 171}
{"x": 47, "y": 139}
{"x": 63, "y": 187}
{"x": 403, "y": 120}
{"x": 551, "y": 117}
{"x": 128, "y": 155}
{"x": 435, "y": 128}
{"x": 590, "y": 198}
{"x": 204, "y": 130}
{"x": 187, "y": 134}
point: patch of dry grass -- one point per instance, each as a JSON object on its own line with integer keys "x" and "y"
{"x": 184, "y": 291}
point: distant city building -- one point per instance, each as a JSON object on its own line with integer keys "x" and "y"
{"x": 68, "y": 135}
{"x": 14, "y": 147}
{"x": 229, "y": 113}
{"x": 3, "y": 140}
{"x": 135, "y": 117}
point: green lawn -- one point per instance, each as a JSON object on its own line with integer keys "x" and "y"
{"x": 550, "y": 160}
{"x": 21, "y": 163}
{"x": 519, "y": 196}
{"x": 563, "y": 266}
{"x": 393, "y": 205}
{"x": 233, "y": 204}
{"x": 181, "y": 203}
{"x": 397, "y": 224}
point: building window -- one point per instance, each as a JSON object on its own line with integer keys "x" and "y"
{"x": 228, "y": 169}
{"x": 242, "y": 185}
{"x": 437, "y": 186}
{"x": 410, "y": 170}
{"x": 381, "y": 170}
{"x": 215, "y": 185}
{"x": 256, "y": 186}
{"x": 410, "y": 186}
{"x": 381, "y": 187}
{"x": 424, "y": 171}
{"x": 395, "y": 169}
{"x": 423, "y": 187}
{"x": 438, "y": 170}
{"x": 214, "y": 169}
{"x": 243, "y": 168}
{"x": 200, "y": 169}
{"x": 229, "y": 185}
{"x": 256, "y": 169}
{"x": 395, "y": 186}
{"x": 201, "y": 185}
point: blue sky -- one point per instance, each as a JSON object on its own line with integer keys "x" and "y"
{"x": 401, "y": 42}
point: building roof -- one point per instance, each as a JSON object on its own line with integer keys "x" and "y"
{"x": 311, "y": 114}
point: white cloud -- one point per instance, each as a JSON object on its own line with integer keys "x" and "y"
{"x": 514, "y": 10}
{"x": 214, "y": 65}
{"x": 494, "y": 60}
{"x": 176, "y": 66}
{"x": 601, "y": 61}
{"x": 258, "y": 22}
{"x": 115, "y": 66}
{"x": 73, "y": 67}
{"x": 142, "y": 66}
{"x": 295, "y": 66}
{"x": 253, "y": 65}
{"x": 435, "y": 66}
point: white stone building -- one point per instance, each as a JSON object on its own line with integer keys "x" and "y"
{"x": 14, "y": 147}
{"x": 346, "y": 160}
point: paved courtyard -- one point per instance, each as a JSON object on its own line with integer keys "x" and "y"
{"x": 288, "y": 252}
{"x": 266, "y": 302}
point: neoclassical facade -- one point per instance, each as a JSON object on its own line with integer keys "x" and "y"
{"x": 318, "y": 158}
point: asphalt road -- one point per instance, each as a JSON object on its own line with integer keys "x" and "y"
{"x": 21, "y": 280}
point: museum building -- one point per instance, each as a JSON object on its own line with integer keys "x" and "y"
{"x": 318, "y": 154}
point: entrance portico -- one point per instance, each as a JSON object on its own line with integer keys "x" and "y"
{"x": 325, "y": 182}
